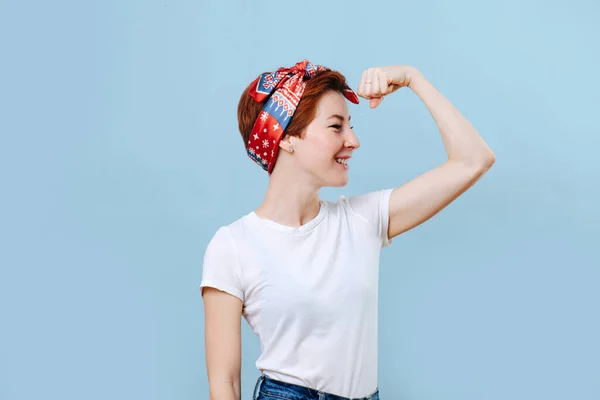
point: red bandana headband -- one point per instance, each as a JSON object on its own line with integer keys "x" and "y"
{"x": 285, "y": 88}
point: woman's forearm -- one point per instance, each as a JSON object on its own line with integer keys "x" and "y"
{"x": 461, "y": 140}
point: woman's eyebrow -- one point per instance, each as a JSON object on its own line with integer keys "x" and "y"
{"x": 339, "y": 117}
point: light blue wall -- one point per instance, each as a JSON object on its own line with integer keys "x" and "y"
{"x": 120, "y": 158}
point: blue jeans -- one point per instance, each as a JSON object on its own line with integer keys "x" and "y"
{"x": 271, "y": 389}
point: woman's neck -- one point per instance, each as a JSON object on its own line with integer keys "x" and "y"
{"x": 289, "y": 202}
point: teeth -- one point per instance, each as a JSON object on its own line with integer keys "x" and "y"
{"x": 342, "y": 161}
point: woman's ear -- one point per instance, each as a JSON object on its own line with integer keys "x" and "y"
{"x": 286, "y": 144}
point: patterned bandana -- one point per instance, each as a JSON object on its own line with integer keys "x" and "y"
{"x": 285, "y": 88}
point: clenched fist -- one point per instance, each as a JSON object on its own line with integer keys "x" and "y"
{"x": 378, "y": 82}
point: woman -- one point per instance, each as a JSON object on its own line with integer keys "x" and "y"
{"x": 303, "y": 271}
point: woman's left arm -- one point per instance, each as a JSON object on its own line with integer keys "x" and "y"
{"x": 469, "y": 157}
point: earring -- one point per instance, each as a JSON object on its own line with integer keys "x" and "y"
{"x": 290, "y": 149}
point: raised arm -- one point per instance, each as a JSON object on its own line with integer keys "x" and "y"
{"x": 469, "y": 157}
{"x": 222, "y": 327}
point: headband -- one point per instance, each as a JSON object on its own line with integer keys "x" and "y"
{"x": 285, "y": 88}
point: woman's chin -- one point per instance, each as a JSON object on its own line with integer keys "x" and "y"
{"x": 339, "y": 181}
{"x": 336, "y": 177}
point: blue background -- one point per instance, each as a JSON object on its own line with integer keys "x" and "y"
{"x": 120, "y": 158}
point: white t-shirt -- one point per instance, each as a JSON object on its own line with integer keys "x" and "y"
{"x": 310, "y": 293}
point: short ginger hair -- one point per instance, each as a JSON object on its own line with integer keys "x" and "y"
{"x": 248, "y": 108}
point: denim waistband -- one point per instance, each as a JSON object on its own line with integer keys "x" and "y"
{"x": 289, "y": 391}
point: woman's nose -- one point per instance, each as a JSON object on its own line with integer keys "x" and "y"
{"x": 352, "y": 140}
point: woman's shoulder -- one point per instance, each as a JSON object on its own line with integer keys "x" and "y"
{"x": 230, "y": 229}
{"x": 363, "y": 202}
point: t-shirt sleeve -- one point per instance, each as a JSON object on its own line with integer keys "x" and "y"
{"x": 375, "y": 208}
{"x": 220, "y": 267}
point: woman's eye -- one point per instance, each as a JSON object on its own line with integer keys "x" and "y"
{"x": 337, "y": 127}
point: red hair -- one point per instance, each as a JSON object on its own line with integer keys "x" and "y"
{"x": 248, "y": 108}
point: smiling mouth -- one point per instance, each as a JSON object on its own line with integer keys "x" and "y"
{"x": 343, "y": 162}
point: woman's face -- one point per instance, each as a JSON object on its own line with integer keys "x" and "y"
{"x": 328, "y": 143}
